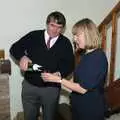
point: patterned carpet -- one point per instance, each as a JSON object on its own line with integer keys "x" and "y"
{"x": 114, "y": 117}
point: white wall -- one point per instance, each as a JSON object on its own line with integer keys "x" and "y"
{"x": 17, "y": 17}
{"x": 98, "y": 9}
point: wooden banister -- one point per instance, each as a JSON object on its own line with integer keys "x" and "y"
{"x": 113, "y": 48}
{"x": 103, "y": 33}
{"x": 110, "y": 18}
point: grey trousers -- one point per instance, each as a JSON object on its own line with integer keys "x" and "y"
{"x": 35, "y": 97}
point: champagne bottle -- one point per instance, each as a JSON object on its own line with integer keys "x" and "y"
{"x": 34, "y": 67}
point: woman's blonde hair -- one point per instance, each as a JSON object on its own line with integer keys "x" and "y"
{"x": 92, "y": 36}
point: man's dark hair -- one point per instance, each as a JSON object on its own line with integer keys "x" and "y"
{"x": 58, "y": 17}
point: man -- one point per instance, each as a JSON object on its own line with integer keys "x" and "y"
{"x": 50, "y": 49}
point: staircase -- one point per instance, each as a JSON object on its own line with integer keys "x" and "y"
{"x": 112, "y": 89}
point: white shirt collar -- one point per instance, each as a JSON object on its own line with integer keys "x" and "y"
{"x": 54, "y": 39}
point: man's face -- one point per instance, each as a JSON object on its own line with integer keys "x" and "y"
{"x": 54, "y": 29}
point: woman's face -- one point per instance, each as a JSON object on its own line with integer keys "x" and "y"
{"x": 79, "y": 40}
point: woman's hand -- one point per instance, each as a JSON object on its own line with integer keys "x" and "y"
{"x": 49, "y": 77}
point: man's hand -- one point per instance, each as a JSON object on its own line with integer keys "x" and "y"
{"x": 24, "y": 63}
{"x": 57, "y": 73}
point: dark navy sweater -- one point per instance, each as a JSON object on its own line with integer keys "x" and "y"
{"x": 59, "y": 57}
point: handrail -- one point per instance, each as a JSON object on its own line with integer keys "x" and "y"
{"x": 108, "y": 18}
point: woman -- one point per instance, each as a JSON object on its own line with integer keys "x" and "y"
{"x": 87, "y": 98}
